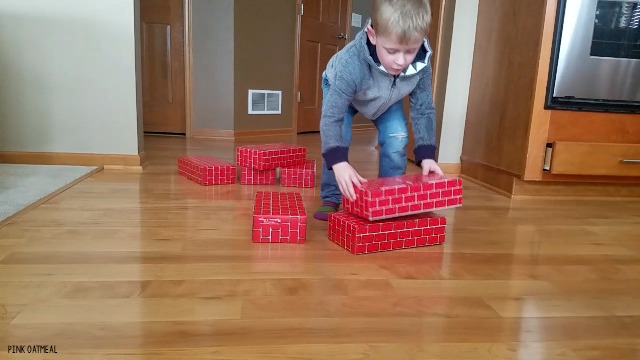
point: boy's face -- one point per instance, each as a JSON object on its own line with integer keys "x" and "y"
{"x": 394, "y": 56}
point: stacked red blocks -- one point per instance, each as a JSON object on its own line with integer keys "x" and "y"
{"x": 279, "y": 217}
{"x": 395, "y": 213}
{"x": 303, "y": 175}
{"x": 206, "y": 170}
{"x": 391, "y": 197}
{"x": 249, "y": 176}
{"x": 270, "y": 156}
{"x": 360, "y": 236}
{"x": 259, "y": 162}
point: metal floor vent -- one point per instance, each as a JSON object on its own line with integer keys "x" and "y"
{"x": 265, "y": 102}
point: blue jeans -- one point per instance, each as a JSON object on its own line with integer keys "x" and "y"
{"x": 393, "y": 140}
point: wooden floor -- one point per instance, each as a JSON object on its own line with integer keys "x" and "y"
{"x": 148, "y": 265}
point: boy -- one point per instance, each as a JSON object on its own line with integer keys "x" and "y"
{"x": 385, "y": 62}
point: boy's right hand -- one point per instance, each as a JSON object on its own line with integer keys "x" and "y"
{"x": 346, "y": 177}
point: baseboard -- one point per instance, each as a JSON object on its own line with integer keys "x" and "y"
{"x": 510, "y": 185}
{"x": 144, "y": 160}
{"x": 485, "y": 185}
{"x": 47, "y": 197}
{"x": 265, "y": 132}
{"x": 450, "y": 168}
{"x": 235, "y": 134}
{"x": 565, "y": 189}
{"x": 489, "y": 176}
{"x": 212, "y": 133}
{"x": 107, "y": 161}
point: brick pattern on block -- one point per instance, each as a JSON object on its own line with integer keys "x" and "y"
{"x": 303, "y": 176}
{"x": 279, "y": 217}
{"x": 360, "y": 236}
{"x": 207, "y": 170}
{"x": 249, "y": 176}
{"x": 385, "y": 198}
{"x": 270, "y": 156}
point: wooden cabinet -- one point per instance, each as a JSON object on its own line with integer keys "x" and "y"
{"x": 508, "y": 130}
{"x": 604, "y": 159}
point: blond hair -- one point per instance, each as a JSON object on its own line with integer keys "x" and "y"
{"x": 404, "y": 19}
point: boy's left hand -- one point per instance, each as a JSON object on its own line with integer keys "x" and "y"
{"x": 429, "y": 166}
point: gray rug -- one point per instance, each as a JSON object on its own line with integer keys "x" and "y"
{"x": 22, "y": 186}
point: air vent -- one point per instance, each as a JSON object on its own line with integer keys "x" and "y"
{"x": 265, "y": 102}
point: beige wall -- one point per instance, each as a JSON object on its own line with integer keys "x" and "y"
{"x": 139, "y": 104}
{"x": 68, "y": 76}
{"x": 264, "y": 36}
{"x": 362, "y": 7}
{"x": 454, "y": 113}
{"x": 213, "y": 64}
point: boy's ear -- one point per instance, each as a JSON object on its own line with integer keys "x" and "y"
{"x": 371, "y": 34}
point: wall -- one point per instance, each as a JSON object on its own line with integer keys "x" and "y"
{"x": 213, "y": 64}
{"x": 362, "y": 7}
{"x": 139, "y": 103}
{"x": 459, "y": 77}
{"x": 67, "y": 78}
{"x": 264, "y": 37}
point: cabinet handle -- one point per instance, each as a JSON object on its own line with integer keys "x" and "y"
{"x": 630, "y": 161}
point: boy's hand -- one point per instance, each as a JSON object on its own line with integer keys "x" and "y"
{"x": 346, "y": 177}
{"x": 429, "y": 166}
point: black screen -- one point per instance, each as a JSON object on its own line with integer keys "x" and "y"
{"x": 616, "y": 30}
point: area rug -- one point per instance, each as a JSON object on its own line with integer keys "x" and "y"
{"x": 24, "y": 187}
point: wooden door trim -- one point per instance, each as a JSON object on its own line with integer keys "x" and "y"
{"x": 188, "y": 96}
{"x": 168, "y": 124}
{"x": 296, "y": 68}
{"x": 296, "y": 56}
{"x": 441, "y": 38}
{"x": 348, "y": 25}
{"x": 540, "y": 117}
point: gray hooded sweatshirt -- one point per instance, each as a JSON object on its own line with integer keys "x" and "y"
{"x": 356, "y": 78}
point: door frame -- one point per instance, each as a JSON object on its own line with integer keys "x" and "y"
{"x": 188, "y": 101}
{"x": 296, "y": 58}
{"x": 188, "y": 104}
{"x": 296, "y": 67}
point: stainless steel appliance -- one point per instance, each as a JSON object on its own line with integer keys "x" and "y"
{"x": 595, "y": 60}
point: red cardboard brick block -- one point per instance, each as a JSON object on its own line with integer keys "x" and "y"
{"x": 279, "y": 217}
{"x": 249, "y": 176}
{"x": 207, "y": 170}
{"x": 270, "y": 156}
{"x": 360, "y": 236}
{"x": 303, "y": 175}
{"x": 395, "y": 196}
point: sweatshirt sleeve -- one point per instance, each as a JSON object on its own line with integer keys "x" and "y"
{"x": 336, "y": 100}
{"x": 423, "y": 118}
